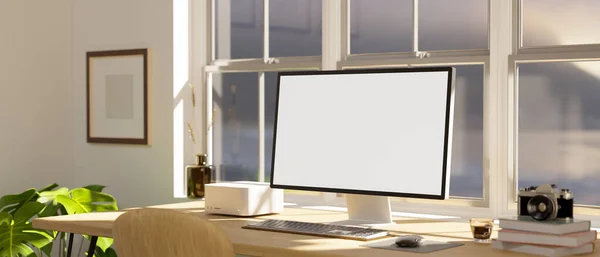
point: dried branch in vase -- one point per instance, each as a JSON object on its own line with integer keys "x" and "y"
{"x": 212, "y": 120}
{"x": 191, "y": 131}
{"x": 189, "y": 123}
{"x": 193, "y": 95}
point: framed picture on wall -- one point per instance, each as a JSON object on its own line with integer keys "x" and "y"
{"x": 117, "y": 97}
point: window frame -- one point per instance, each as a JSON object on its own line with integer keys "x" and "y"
{"x": 517, "y": 35}
{"x": 258, "y": 65}
{"x": 500, "y": 98}
{"x": 336, "y": 55}
{"x": 542, "y": 54}
{"x": 454, "y": 206}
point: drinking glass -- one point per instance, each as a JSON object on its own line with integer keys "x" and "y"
{"x": 482, "y": 229}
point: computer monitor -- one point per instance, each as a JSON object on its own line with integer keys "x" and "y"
{"x": 368, "y": 133}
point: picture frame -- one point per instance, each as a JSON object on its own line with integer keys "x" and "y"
{"x": 117, "y": 94}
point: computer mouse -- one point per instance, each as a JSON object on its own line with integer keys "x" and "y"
{"x": 409, "y": 241}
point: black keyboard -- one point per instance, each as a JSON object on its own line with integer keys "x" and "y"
{"x": 318, "y": 229}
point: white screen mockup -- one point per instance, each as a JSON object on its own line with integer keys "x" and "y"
{"x": 380, "y": 132}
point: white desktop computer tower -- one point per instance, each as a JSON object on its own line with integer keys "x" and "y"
{"x": 243, "y": 198}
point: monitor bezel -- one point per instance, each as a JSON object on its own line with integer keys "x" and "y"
{"x": 449, "y": 95}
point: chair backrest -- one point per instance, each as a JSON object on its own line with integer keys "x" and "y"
{"x": 168, "y": 233}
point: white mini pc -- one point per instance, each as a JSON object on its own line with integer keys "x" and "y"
{"x": 243, "y": 198}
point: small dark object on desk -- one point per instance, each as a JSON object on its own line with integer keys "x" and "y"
{"x": 410, "y": 241}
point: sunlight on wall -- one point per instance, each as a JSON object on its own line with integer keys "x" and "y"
{"x": 178, "y": 137}
{"x": 180, "y": 45}
{"x": 180, "y": 79}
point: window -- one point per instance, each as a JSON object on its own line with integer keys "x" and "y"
{"x": 371, "y": 30}
{"x": 556, "y": 22}
{"x": 295, "y": 27}
{"x": 270, "y": 103}
{"x": 243, "y": 96}
{"x": 378, "y": 42}
{"x": 559, "y": 127}
{"x": 531, "y": 123}
{"x": 242, "y": 91}
{"x": 453, "y": 25}
{"x": 379, "y": 26}
{"x": 240, "y": 29}
{"x": 466, "y": 174}
{"x": 556, "y": 114}
{"x": 236, "y": 134}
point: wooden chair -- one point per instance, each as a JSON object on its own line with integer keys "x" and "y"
{"x": 168, "y": 233}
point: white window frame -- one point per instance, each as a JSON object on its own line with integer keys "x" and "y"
{"x": 544, "y": 54}
{"x": 455, "y": 206}
{"x": 335, "y": 55}
{"x": 500, "y": 98}
{"x": 258, "y": 65}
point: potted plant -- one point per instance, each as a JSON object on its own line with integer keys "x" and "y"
{"x": 19, "y": 239}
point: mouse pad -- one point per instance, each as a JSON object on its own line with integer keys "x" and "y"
{"x": 426, "y": 246}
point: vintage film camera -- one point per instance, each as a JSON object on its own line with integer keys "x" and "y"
{"x": 545, "y": 202}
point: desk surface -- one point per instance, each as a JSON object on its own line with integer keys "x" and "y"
{"x": 263, "y": 243}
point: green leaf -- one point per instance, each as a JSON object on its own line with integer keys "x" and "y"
{"x": 16, "y": 233}
{"x": 84, "y": 200}
{"x": 5, "y": 218}
{"x": 25, "y": 213}
{"x": 96, "y": 188}
{"x": 108, "y": 253}
{"x": 49, "y": 211}
{"x": 50, "y": 196}
{"x": 103, "y": 243}
{"x": 47, "y": 249}
{"x": 20, "y": 250}
{"x": 41, "y": 243}
{"x": 10, "y": 203}
{"x": 48, "y": 187}
{"x": 71, "y": 206}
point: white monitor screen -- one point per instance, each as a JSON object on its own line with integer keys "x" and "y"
{"x": 379, "y": 132}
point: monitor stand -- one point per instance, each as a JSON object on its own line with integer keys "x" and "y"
{"x": 367, "y": 211}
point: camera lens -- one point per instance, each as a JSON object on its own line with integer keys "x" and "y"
{"x": 540, "y": 207}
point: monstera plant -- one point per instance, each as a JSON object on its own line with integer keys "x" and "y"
{"x": 19, "y": 239}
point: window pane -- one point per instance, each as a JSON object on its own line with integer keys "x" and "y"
{"x": 378, "y": 26}
{"x": 235, "y": 97}
{"x": 453, "y": 25}
{"x": 294, "y": 27}
{"x": 558, "y": 22}
{"x": 559, "y": 127}
{"x": 467, "y": 142}
{"x": 239, "y": 28}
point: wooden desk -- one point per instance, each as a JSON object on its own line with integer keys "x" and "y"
{"x": 262, "y": 243}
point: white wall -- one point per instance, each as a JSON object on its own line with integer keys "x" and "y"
{"x": 35, "y": 95}
{"x": 136, "y": 176}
